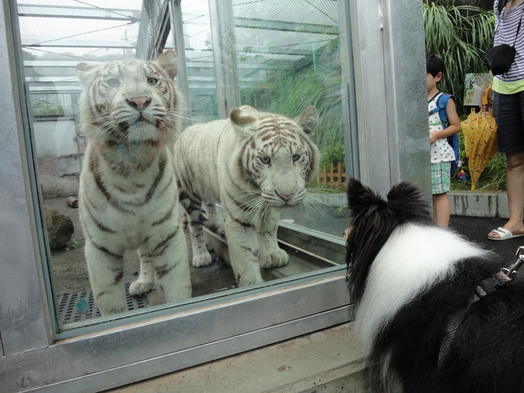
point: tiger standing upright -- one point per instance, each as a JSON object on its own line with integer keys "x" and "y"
{"x": 130, "y": 113}
{"x": 254, "y": 164}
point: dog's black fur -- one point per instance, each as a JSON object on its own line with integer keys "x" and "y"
{"x": 487, "y": 351}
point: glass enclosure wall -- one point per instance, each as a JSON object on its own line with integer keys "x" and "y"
{"x": 287, "y": 58}
{"x": 68, "y": 62}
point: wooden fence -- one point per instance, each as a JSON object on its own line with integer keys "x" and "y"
{"x": 332, "y": 179}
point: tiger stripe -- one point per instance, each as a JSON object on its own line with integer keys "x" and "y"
{"x": 167, "y": 216}
{"x": 253, "y": 163}
{"x": 101, "y": 247}
{"x": 128, "y": 187}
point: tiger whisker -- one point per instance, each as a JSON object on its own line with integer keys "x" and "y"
{"x": 263, "y": 207}
{"x": 253, "y": 204}
{"x": 313, "y": 205}
{"x": 244, "y": 195}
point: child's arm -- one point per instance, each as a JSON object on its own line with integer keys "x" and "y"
{"x": 453, "y": 124}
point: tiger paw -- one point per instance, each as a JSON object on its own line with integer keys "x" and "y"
{"x": 201, "y": 259}
{"x": 139, "y": 288}
{"x": 276, "y": 258}
{"x": 249, "y": 277}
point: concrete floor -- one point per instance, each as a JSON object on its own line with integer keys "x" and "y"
{"x": 326, "y": 361}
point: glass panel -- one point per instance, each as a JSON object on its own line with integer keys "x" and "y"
{"x": 288, "y": 59}
{"x": 199, "y": 58}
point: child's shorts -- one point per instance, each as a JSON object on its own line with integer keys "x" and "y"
{"x": 440, "y": 177}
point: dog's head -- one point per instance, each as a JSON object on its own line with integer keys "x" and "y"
{"x": 373, "y": 221}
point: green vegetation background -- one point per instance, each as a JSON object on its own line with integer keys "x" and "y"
{"x": 459, "y": 34}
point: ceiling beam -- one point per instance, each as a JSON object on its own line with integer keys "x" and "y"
{"x": 56, "y": 11}
{"x": 262, "y": 24}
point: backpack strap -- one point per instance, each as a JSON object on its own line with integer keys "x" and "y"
{"x": 442, "y": 102}
{"x": 501, "y": 5}
{"x": 453, "y": 140}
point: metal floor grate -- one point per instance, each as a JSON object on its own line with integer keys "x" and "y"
{"x": 77, "y": 307}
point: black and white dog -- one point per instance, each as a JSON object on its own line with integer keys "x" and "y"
{"x": 408, "y": 279}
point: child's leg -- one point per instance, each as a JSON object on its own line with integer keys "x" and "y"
{"x": 441, "y": 209}
{"x": 440, "y": 183}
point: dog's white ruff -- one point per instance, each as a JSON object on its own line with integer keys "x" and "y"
{"x": 413, "y": 258}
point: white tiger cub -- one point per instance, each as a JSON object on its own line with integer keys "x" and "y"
{"x": 254, "y": 164}
{"x": 130, "y": 113}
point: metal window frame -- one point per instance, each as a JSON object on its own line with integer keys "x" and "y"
{"x": 389, "y": 77}
{"x": 388, "y": 108}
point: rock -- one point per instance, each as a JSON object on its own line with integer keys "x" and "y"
{"x": 60, "y": 228}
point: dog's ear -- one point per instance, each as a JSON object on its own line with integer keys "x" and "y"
{"x": 360, "y": 197}
{"x": 405, "y": 192}
{"x": 407, "y": 202}
{"x": 371, "y": 227}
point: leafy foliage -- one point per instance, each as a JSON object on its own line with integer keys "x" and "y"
{"x": 333, "y": 153}
{"x": 288, "y": 91}
{"x": 41, "y": 108}
{"x": 460, "y": 36}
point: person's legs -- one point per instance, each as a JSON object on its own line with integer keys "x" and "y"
{"x": 441, "y": 209}
{"x": 515, "y": 191}
{"x": 509, "y": 115}
{"x": 440, "y": 183}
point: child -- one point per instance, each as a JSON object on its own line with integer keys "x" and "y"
{"x": 441, "y": 152}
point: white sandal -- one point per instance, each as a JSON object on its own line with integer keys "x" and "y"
{"x": 504, "y": 234}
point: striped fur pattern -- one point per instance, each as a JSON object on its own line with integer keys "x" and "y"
{"x": 408, "y": 279}
{"x": 130, "y": 113}
{"x": 254, "y": 164}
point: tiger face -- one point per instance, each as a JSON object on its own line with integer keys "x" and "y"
{"x": 277, "y": 155}
{"x": 130, "y": 102}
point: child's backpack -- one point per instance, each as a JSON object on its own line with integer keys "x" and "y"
{"x": 453, "y": 140}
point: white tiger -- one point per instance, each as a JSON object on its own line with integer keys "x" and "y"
{"x": 254, "y": 164}
{"x": 130, "y": 113}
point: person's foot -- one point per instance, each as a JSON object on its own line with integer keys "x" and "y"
{"x": 505, "y": 233}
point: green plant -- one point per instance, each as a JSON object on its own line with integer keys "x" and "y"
{"x": 333, "y": 153}
{"x": 341, "y": 209}
{"x": 459, "y": 35}
{"x": 315, "y": 81}
{"x": 41, "y": 108}
{"x": 493, "y": 178}
{"x": 72, "y": 245}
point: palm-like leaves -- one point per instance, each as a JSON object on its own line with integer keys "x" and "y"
{"x": 460, "y": 35}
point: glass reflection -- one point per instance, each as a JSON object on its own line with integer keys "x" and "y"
{"x": 286, "y": 64}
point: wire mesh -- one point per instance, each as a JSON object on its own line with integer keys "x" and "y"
{"x": 80, "y": 306}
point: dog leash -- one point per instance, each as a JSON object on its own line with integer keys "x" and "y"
{"x": 485, "y": 287}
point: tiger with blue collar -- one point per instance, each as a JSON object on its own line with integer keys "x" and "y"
{"x": 130, "y": 112}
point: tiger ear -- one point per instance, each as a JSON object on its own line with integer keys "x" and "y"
{"x": 241, "y": 121}
{"x": 308, "y": 120}
{"x": 239, "y": 118}
{"x": 87, "y": 73}
{"x": 168, "y": 60}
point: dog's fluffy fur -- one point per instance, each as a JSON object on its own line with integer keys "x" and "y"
{"x": 408, "y": 276}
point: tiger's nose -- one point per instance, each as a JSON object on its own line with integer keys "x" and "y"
{"x": 139, "y": 103}
{"x": 286, "y": 197}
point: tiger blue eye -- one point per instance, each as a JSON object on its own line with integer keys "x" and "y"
{"x": 296, "y": 157}
{"x": 152, "y": 81}
{"x": 113, "y": 82}
{"x": 265, "y": 159}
